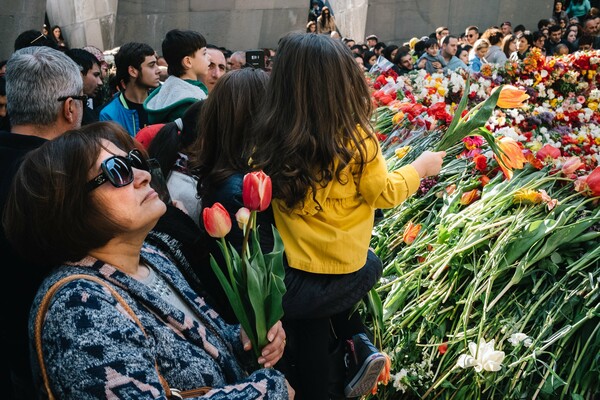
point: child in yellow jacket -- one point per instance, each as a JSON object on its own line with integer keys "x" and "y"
{"x": 314, "y": 139}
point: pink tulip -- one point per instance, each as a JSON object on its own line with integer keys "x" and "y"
{"x": 216, "y": 221}
{"x": 571, "y": 165}
{"x": 257, "y": 191}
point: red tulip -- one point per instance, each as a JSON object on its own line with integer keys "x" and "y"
{"x": 257, "y": 191}
{"x": 548, "y": 153}
{"x": 216, "y": 221}
{"x": 593, "y": 182}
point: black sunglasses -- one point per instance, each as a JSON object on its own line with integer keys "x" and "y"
{"x": 118, "y": 170}
{"x": 82, "y": 97}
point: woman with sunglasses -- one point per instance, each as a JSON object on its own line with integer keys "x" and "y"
{"x": 128, "y": 324}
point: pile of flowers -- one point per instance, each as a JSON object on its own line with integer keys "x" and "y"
{"x": 491, "y": 285}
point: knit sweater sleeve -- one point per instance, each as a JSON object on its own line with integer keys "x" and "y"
{"x": 93, "y": 349}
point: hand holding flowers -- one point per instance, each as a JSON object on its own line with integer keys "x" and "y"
{"x": 254, "y": 283}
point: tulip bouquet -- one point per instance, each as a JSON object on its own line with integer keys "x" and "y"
{"x": 254, "y": 282}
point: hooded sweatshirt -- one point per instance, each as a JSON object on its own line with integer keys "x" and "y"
{"x": 172, "y": 99}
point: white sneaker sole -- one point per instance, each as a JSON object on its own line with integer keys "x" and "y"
{"x": 366, "y": 377}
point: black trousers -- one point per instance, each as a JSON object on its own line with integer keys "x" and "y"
{"x": 318, "y": 319}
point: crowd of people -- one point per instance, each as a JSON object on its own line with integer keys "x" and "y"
{"x": 116, "y": 294}
{"x": 573, "y": 26}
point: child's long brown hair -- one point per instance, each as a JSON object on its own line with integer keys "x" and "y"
{"x": 307, "y": 131}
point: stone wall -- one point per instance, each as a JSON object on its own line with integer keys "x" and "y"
{"x": 351, "y": 17}
{"x": 396, "y": 21}
{"x": 235, "y": 24}
{"x": 17, "y": 16}
{"x": 248, "y": 24}
{"x": 84, "y": 22}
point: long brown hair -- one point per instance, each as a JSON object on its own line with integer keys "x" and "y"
{"x": 308, "y": 128}
{"x": 223, "y": 147}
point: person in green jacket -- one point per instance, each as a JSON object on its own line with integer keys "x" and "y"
{"x": 188, "y": 60}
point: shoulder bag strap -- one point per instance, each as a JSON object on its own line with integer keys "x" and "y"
{"x": 39, "y": 324}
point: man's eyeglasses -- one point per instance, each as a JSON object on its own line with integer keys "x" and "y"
{"x": 83, "y": 98}
{"x": 471, "y": 35}
{"x": 118, "y": 170}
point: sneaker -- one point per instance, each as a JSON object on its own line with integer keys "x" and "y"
{"x": 365, "y": 363}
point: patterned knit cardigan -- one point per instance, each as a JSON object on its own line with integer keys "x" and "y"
{"x": 93, "y": 349}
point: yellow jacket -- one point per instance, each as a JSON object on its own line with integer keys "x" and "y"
{"x": 334, "y": 238}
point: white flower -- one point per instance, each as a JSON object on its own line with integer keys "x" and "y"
{"x": 398, "y": 380}
{"x": 519, "y": 337}
{"x": 483, "y": 357}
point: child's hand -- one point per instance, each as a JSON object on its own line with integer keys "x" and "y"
{"x": 429, "y": 163}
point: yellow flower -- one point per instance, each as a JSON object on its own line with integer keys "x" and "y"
{"x": 511, "y": 97}
{"x": 512, "y": 156}
{"x": 397, "y": 118}
{"x": 553, "y": 102}
{"x": 593, "y": 105}
{"x": 527, "y": 196}
{"x": 401, "y": 152}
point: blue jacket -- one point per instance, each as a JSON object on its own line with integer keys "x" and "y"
{"x": 117, "y": 110}
{"x": 92, "y": 349}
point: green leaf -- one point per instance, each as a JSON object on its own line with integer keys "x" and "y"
{"x": 255, "y": 294}
{"x": 236, "y": 302}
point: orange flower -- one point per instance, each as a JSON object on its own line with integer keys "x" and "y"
{"x": 469, "y": 197}
{"x": 410, "y": 232}
{"x": 384, "y": 376}
{"x": 512, "y": 157}
{"x": 511, "y": 97}
{"x": 484, "y": 180}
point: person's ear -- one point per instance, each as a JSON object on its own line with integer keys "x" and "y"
{"x": 186, "y": 62}
{"x": 68, "y": 110}
{"x": 133, "y": 72}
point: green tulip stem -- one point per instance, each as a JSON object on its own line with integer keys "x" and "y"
{"x": 229, "y": 266}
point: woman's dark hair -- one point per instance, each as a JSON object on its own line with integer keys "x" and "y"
{"x": 323, "y": 18}
{"x": 52, "y": 33}
{"x": 315, "y": 118}
{"x": 223, "y": 146}
{"x": 387, "y": 52}
{"x": 508, "y": 39}
{"x": 367, "y": 56}
{"x": 528, "y": 36}
{"x": 50, "y": 216}
{"x": 170, "y": 141}
{"x": 579, "y": 30}
{"x": 178, "y": 44}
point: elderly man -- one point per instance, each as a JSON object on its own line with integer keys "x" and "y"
{"x": 216, "y": 68}
{"x": 44, "y": 91}
{"x": 236, "y": 61}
